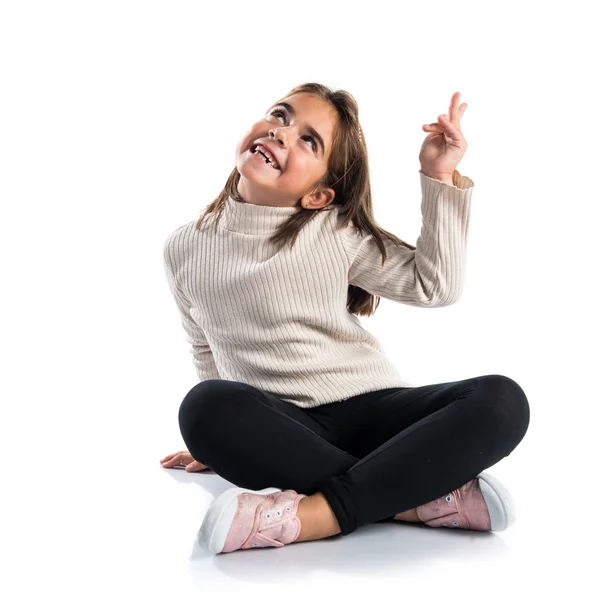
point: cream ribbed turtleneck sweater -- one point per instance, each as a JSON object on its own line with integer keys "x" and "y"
{"x": 278, "y": 321}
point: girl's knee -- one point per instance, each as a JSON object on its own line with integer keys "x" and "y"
{"x": 202, "y": 402}
{"x": 508, "y": 401}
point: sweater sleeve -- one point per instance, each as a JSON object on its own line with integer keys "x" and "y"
{"x": 432, "y": 275}
{"x": 202, "y": 356}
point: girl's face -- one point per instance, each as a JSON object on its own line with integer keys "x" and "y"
{"x": 300, "y": 138}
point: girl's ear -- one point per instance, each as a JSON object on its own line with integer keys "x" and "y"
{"x": 319, "y": 199}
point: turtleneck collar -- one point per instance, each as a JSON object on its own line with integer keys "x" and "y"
{"x": 244, "y": 217}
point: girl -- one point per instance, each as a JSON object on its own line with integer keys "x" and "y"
{"x": 297, "y": 404}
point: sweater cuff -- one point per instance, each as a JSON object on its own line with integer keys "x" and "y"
{"x": 462, "y": 182}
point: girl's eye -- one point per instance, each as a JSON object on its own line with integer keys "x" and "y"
{"x": 280, "y": 112}
{"x": 311, "y": 139}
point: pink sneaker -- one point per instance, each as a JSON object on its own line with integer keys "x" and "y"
{"x": 482, "y": 503}
{"x": 239, "y": 519}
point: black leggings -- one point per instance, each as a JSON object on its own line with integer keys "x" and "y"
{"x": 372, "y": 456}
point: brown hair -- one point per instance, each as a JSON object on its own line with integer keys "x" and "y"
{"x": 347, "y": 174}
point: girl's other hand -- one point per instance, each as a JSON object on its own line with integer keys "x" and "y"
{"x": 182, "y": 459}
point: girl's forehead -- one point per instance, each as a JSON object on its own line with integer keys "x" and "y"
{"x": 308, "y": 104}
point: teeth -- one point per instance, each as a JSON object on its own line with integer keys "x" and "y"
{"x": 257, "y": 150}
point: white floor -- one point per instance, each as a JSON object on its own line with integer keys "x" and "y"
{"x": 125, "y": 527}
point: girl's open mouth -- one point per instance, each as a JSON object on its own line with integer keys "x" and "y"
{"x": 259, "y": 155}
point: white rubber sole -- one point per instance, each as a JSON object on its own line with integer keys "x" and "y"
{"x": 217, "y": 521}
{"x": 500, "y": 503}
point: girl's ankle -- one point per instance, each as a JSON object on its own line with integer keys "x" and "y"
{"x": 409, "y": 515}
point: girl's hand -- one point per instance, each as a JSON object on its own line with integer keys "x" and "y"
{"x": 182, "y": 459}
{"x": 445, "y": 145}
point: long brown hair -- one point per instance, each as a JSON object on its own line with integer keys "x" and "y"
{"x": 347, "y": 174}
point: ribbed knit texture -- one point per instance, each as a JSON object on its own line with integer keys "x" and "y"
{"x": 277, "y": 319}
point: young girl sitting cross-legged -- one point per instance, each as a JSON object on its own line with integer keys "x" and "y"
{"x": 297, "y": 405}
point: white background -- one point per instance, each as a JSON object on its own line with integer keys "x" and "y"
{"x": 118, "y": 124}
